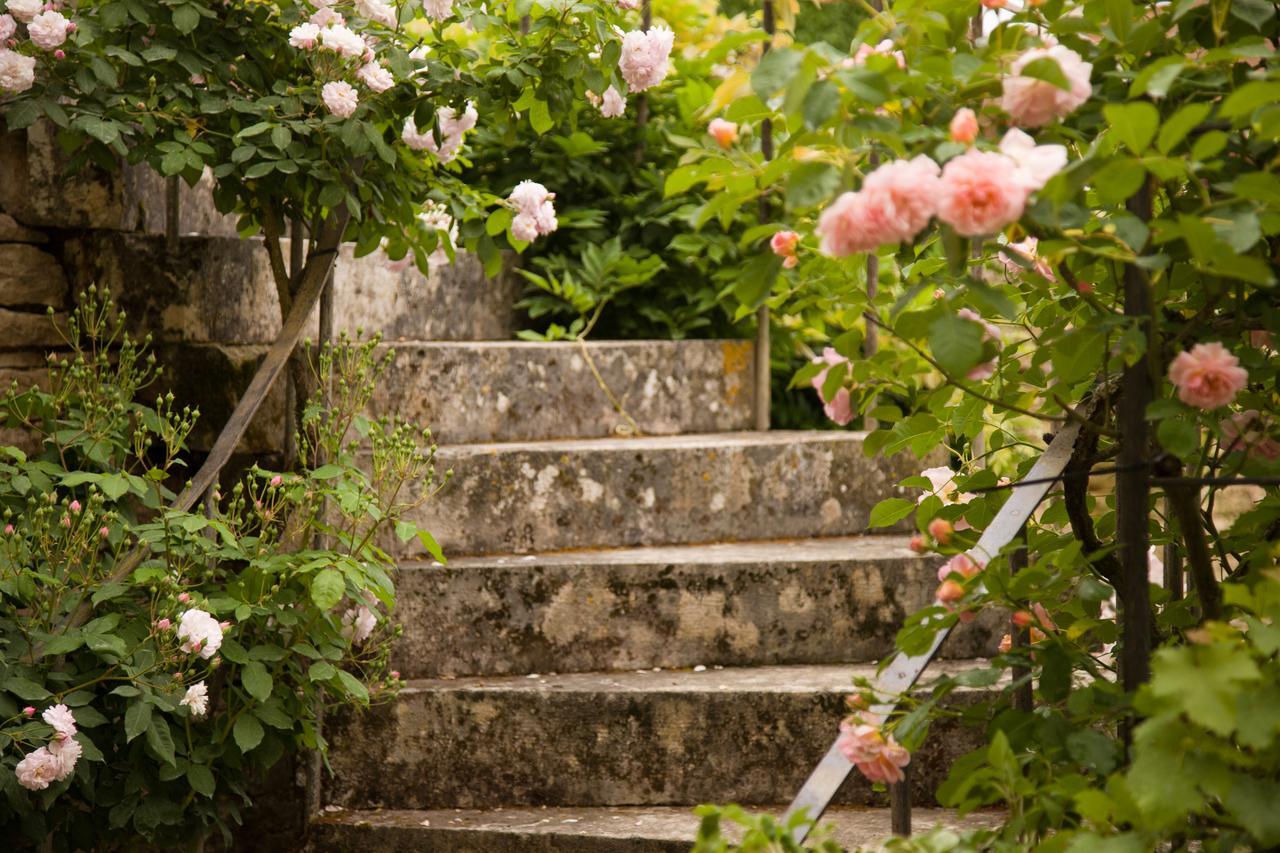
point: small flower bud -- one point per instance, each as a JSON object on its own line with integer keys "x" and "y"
{"x": 277, "y": 480}
{"x": 918, "y": 545}
{"x": 29, "y": 711}
{"x": 104, "y": 531}
{"x": 163, "y": 624}
{"x": 1023, "y": 619}
{"x": 949, "y": 592}
{"x": 941, "y": 530}
{"x": 184, "y": 597}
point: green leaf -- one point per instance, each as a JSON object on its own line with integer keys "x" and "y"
{"x": 1093, "y": 749}
{"x": 24, "y": 689}
{"x": 281, "y": 137}
{"x": 247, "y": 732}
{"x": 256, "y": 680}
{"x": 811, "y": 184}
{"x": 1048, "y": 70}
{"x": 321, "y": 671}
{"x": 200, "y": 778}
{"x": 327, "y": 588}
{"x": 890, "y": 511}
{"x": 433, "y": 547}
{"x": 186, "y": 18}
{"x": 955, "y": 342}
{"x": 327, "y": 472}
{"x": 820, "y": 104}
{"x": 540, "y": 117}
{"x": 137, "y": 719}
{"x": 355, "y": 688}
{"x": 1134, "y": 124}
{"x": 775, "y": 71}
{"x": 160, "y": 739}
{"x": 1249, "y": 97}
{"x": 1078, "y": 355}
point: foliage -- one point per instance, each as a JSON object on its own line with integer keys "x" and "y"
{"x": 292, "y": 564}
{"x": 990, "y": 338}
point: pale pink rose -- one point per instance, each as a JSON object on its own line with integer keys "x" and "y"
{"x": 725, "y": 133}
{"x": 1036, "y": 163}
{"x": 840, "y": 407}
{"x": 876, "y": 756}
{"x": 884, "y": 48}
{"x": 48, "y": 30}
{"x": 1208, "y": 376}
{"x": 437, "y": 10}
{"x": 1031, "y": 102}
{"x": 645, "y": 57}
{"x": 1026, "y": 250}
{"x": 358, "y": 623}
{"x": 340, "y": 98}
{"x": 38, "y": 769}
{"x": 342, "y": 41}
{"x": 184, "y": 597}
{"x": 980, "y": 193}
{"x": 964, "y": 126}
{"x": 1248, "y": 431}
{"x": 830, "y": 357}
{"x": 66, "y": 753}
{"x": 326, "y": 17}
{"x": 24, "y": 10}
{"x": 62, "y": 720}
{"x": 29, "y": 711}
{"x": 612, "y": 104}
{"x": 524, "y": 227}
{"x": 163, "y": 624}
{"x": 377, "y": 78}
{"x": 962, "y": 565}
{"x": 376, "y": 10}
{"x": 197, "y": 699}
{"x": 943, "y": 485}
{"x": 534, "y": 211}
{"x": 304, "y": 36}
{"x": 199, "y": 633}
{"x": 415, "y": 140}
{"x": 17, "y": 72}
{"x": 847, "y": 227}
{"x": 75, "y": 506}
{"x": 902, "y": 196}
{"x": 7, "y": 27}
{"x": 453, "y": 128}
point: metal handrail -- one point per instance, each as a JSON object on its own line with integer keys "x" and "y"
{"x": 905, "y": 670}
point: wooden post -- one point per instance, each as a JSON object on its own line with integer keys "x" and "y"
{"x": 900, "y": 805}
{"x": 764, "y": 385}
{"x": 172, "y": 202}
{"x": 1023, "y": 699}
{"x": 290, "y": 391}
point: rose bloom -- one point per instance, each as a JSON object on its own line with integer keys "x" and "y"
{"x": 62, "y": 720}
{"x": 1026, "y": 250}
{"x": 1036, "y": 163}
{"x": 980, "y": 193}
{"x": 884, "y": 48}
{"x": 8, "y": 26}
{"x": 376, "y": 10}
{"x": 1248, "y": 431}
{"x": 962, "y": 565}
{"x": 66, "y": 753}
{"x": 1208, "y": 376}
{"x": 1031, "y": 102}
{"x": 724, "y": 132}
{"x": 326, "y": 17}
{"x": 377, "y": 78}
{"x": 38, "y": 769}
{"x": 902, "y": 194}
{"x": 964, "y": 126}
{"x": 342, "y": 41}
{"x": 437, "y": 10}
{"x": 197, "y": 699}
{"x": 340, "y": 98}
{"x": 48, "y": 30}
{"x": 304, "y": 36}
{"x": 358, "y": 623}
{"x": 612, "y": 104}
{"x": 524, "y": 227}
{"x": 844, "y": 227}
{"x": 645, "y": 57}
{"x": 878, "y": 758}
{"x": 198, "y": 631}
{"x": 24, "y": 10}
{"x": 17, "y": 72}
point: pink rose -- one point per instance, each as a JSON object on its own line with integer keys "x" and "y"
{"x": 964, "y": 126}
{"x": 1208, "y": 376}
{"x": 783, "y": 245}
{"x": 612, "y": 104}
{"x": 962, "y": 565}
{"x": 1026, "y": 250}
{"x": 1036, "y": 163}
{"x": 304, "y": 36}
{"x": 980, "y": 193}
{"x": 340, "y": 98}
{"x": 724, "y": 132}
{"x": 844, "y": 227}
{"x": 645, "y": 57}
{"x": 878, "y": 757}
{"x": 884, "y": 48}
{"x": 1031, "y": 102}
{"x": 903, "y": 193}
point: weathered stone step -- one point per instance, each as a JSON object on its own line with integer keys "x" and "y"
{"x": 503, "y": 390}
{"x": 220, "y": 290}
{"x": 736, "y": 604}
{"x": 649, "y": 738}
{"x": 663, "y": 490}
{"x": 652, "y": 829}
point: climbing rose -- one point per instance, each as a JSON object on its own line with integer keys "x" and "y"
{"x": 62, "y": 720}
{"x": 358, "y": 623}
{"x": 943, "y": 484}
{"x": 376, "y": 10}
{"x": 452, "y": 130}
{"x": 964, "y": 126}
{"x": 783, "y": 245}
{"x": 1208, "y": 376}
{"x": 66, "y": 753}
{"x": 304, "y": 36}
{"x": 1032, "y": 102}
{"x": 437, "y": 10}
{"x": 340, "y": 98}
{"x": 941, "y": 530}
{"x": 524, "y": 228}
{"x": 38, "y": 769}
{"x": 1247, "y": 431}
{"x": 17, "y": 72}
{"x": 844, "y": 227}
{"x": 840, "y": 407}
{"x": 7, "y": 27}
{"x": 612, "y": 104}
{"x": 198, "y": 631}
{"x": 884, "y": 48}
{"x": 197, "y": 699}
{"x": 961, "y": 564}
{"x": 725, "y": 133}
{"x": 644, "y": 57}
{"x": 902, "y": 195}
{"x": 342, "y": 40}
{"x": 980, "y": 193}
{"x": 326, "y": 17}
{"x": 1036, "y": 163}
{"x": 377, "y": 78}
{"x": 48, "y": 30}
{"x": 878, "y": 758}
{"x": 24, "y": 10}
{"x": 436, "y": 216}
{"x": 535, "y": 214}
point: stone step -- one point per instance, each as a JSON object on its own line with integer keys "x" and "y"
{"x": 503, "y": 390}
{"x": 220, "y": 290}
{"x": 657, "y": 490}
{"x": 651, "y": 829}
{"x": 735, "y": 604}
{"x": 749, "y": 736}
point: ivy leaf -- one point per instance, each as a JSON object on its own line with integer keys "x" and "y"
{"x": 256, "y": 680}
{"x": 327, "y": 588}
{"x": 247, "y": 732}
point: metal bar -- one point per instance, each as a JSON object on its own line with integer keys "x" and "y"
{"x": 900, "y": 805}
{"x": 1023, "y": 698}
{"x": 904, "y": 670}
{"x": 172, "y": 209}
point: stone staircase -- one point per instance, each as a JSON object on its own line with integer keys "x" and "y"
{"x": 628, "y": 625}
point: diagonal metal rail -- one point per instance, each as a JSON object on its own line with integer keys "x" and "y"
{"x": 903, "y": 672}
